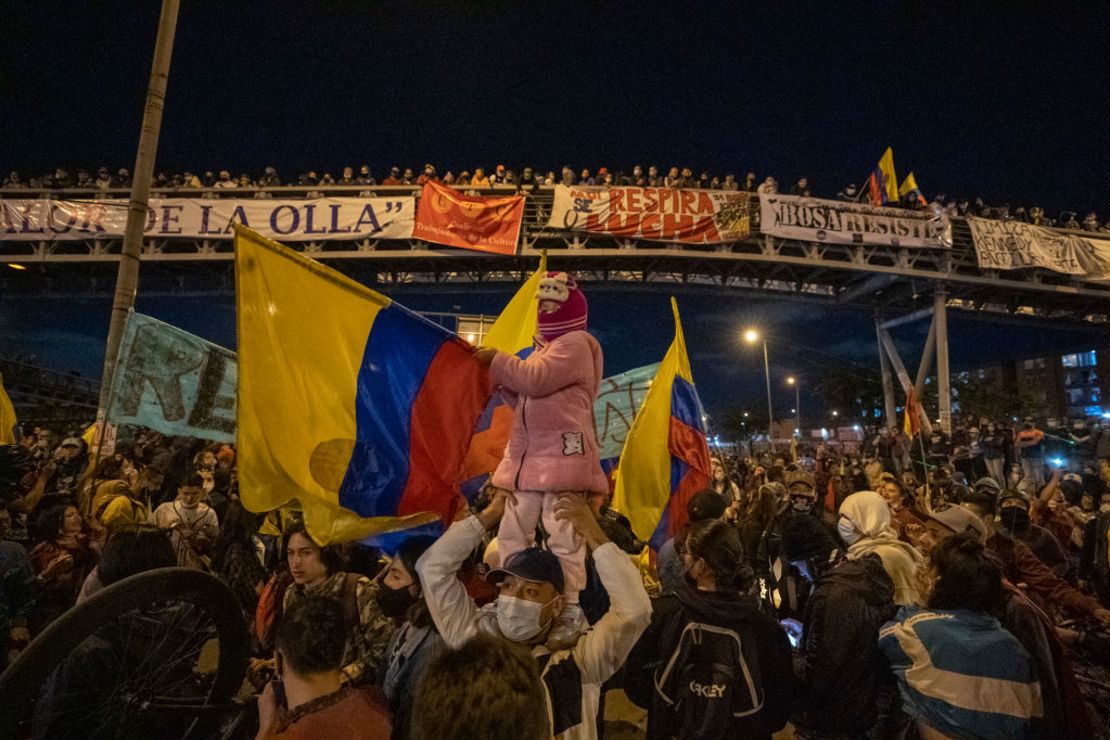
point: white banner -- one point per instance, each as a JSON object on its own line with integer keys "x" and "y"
{"x": 840, "y": 222}
{"x": 202, "y": 218}
{"x": 1012, "y": 245}
{"x": 655, "y": 214}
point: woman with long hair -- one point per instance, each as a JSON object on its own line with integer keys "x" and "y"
{"x": 766, "y": 505}
{"x": 721, "y": 482}
{"x": 959, "y": 672}
{"x": 237, "y": 556}
{"x": 61, "y": 561}
{"x": 416, "y": 641}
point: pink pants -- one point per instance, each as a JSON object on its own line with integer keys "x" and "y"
{"x": 518, "y": 532}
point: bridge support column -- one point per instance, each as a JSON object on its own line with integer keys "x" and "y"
{"x": 944, "y": 390}
{"x": 899, "y": 367}
{"x": 926, "y": 363}
{"x": 888, "y": 379}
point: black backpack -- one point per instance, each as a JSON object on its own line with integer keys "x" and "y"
{"x": 707, "y": 685}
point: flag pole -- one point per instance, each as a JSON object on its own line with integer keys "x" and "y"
{"x": 127, "y": 277}
{"x": 925, "y": 471}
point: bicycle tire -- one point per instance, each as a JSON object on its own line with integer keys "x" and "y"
{"x": 22, "y": 680}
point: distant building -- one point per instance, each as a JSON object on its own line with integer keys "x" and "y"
{"x": 1041, "y": 381}
{"x": 1084, "y": 386}
{"x": 1057, "y": 387}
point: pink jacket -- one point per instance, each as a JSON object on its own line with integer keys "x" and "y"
{"x": 553, "y": 443}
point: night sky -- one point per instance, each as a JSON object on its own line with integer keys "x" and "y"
{"x": 1007, "y": 101}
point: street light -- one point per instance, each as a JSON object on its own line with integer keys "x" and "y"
{"x": 791, "y": 380}
{"x": 751, "y": 336}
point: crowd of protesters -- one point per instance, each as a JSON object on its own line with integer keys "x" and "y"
{"x": 949, "y": 586}
{"x": 528, "y": 179}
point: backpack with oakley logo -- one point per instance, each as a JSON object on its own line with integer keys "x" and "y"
{"x": 706, "y": 686}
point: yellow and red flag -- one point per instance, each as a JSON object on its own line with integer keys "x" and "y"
{"x": 883, "y": 183}
{"x": 911, "y": 421}
{"x": 665, "y": 460}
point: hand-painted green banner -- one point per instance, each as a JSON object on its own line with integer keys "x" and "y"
{"x": 173, "y": 382}
{"x": 616, "y": 406}
{"x": 177, "y": 383}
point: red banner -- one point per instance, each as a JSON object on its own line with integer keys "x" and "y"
{"x": 657, "y": 214}
{"x": 485, "y": 223}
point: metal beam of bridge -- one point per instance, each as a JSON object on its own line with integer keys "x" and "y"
{"x": 880, "y": 277}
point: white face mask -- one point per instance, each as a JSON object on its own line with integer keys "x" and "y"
{"x": 847, "y": 531}
{"x": 519, "y": 619}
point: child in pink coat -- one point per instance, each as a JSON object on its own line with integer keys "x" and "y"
{"x": 553, "y": 446}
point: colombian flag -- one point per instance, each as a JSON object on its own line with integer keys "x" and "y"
{"x": 348, "y": 402}
{"x": 883, "y": 183}
{"x": 665, "y": 459}
{"x": 909, "y": 185}
{"x": 513, "y": 332}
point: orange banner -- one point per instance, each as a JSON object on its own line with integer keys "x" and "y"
{"x": 485, "y": 223}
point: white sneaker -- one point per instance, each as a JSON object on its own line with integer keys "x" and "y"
{"x": 568, "y": 627}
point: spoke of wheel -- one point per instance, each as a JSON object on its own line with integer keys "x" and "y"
{"x": 165, "y": 631}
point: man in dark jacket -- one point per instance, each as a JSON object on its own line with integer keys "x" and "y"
{"x": 712, "y": 606}
{"x": 1016, "y": 523}
{"x": 838, "y": 662}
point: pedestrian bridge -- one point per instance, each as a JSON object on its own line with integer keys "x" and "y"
{"x": 886, "y": 278}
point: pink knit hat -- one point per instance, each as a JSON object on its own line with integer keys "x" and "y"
{"x": 571, "y": 314}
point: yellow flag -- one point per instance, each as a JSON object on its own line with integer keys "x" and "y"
{"x": 517, "y": 325}
{"x": 89, "y": 435}
{"x": 909, "y": 185}
{"x": 889, "y": 178}
{"x": 8, "y": 421}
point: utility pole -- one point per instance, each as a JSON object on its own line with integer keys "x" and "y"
{"x": 127, "y": 278}
{"x": 770, "y": 410}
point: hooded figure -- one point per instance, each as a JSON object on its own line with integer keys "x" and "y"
{"x": 864, "y": 526}
{"x": 842, "y": 674}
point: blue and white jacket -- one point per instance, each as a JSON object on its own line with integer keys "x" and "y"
{"x": 961, "y": 673}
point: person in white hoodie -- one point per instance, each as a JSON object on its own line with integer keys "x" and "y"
{"x": 531, "y": 594}
{"x": 864, "y": 526}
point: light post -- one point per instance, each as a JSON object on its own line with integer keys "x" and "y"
{"x": 791, "y": 380}
{"x": 797, "y": 405}
{"x": 751, "y": 336}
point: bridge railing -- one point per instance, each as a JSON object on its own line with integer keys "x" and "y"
{"x": 25, "y": 380}
{"x": 961, "y": 258}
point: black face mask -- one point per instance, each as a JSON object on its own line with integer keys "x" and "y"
{"x": 394, "y": 602}
{"x": 1015, "y": 519}
{"x": 802, "y": 504}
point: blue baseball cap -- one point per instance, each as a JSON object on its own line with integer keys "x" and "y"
{"x": 531, "y": 564}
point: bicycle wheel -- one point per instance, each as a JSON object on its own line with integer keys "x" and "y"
{"x": 148, "y": 656}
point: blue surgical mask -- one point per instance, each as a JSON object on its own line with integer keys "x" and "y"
{"x": 519, "y": 619}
